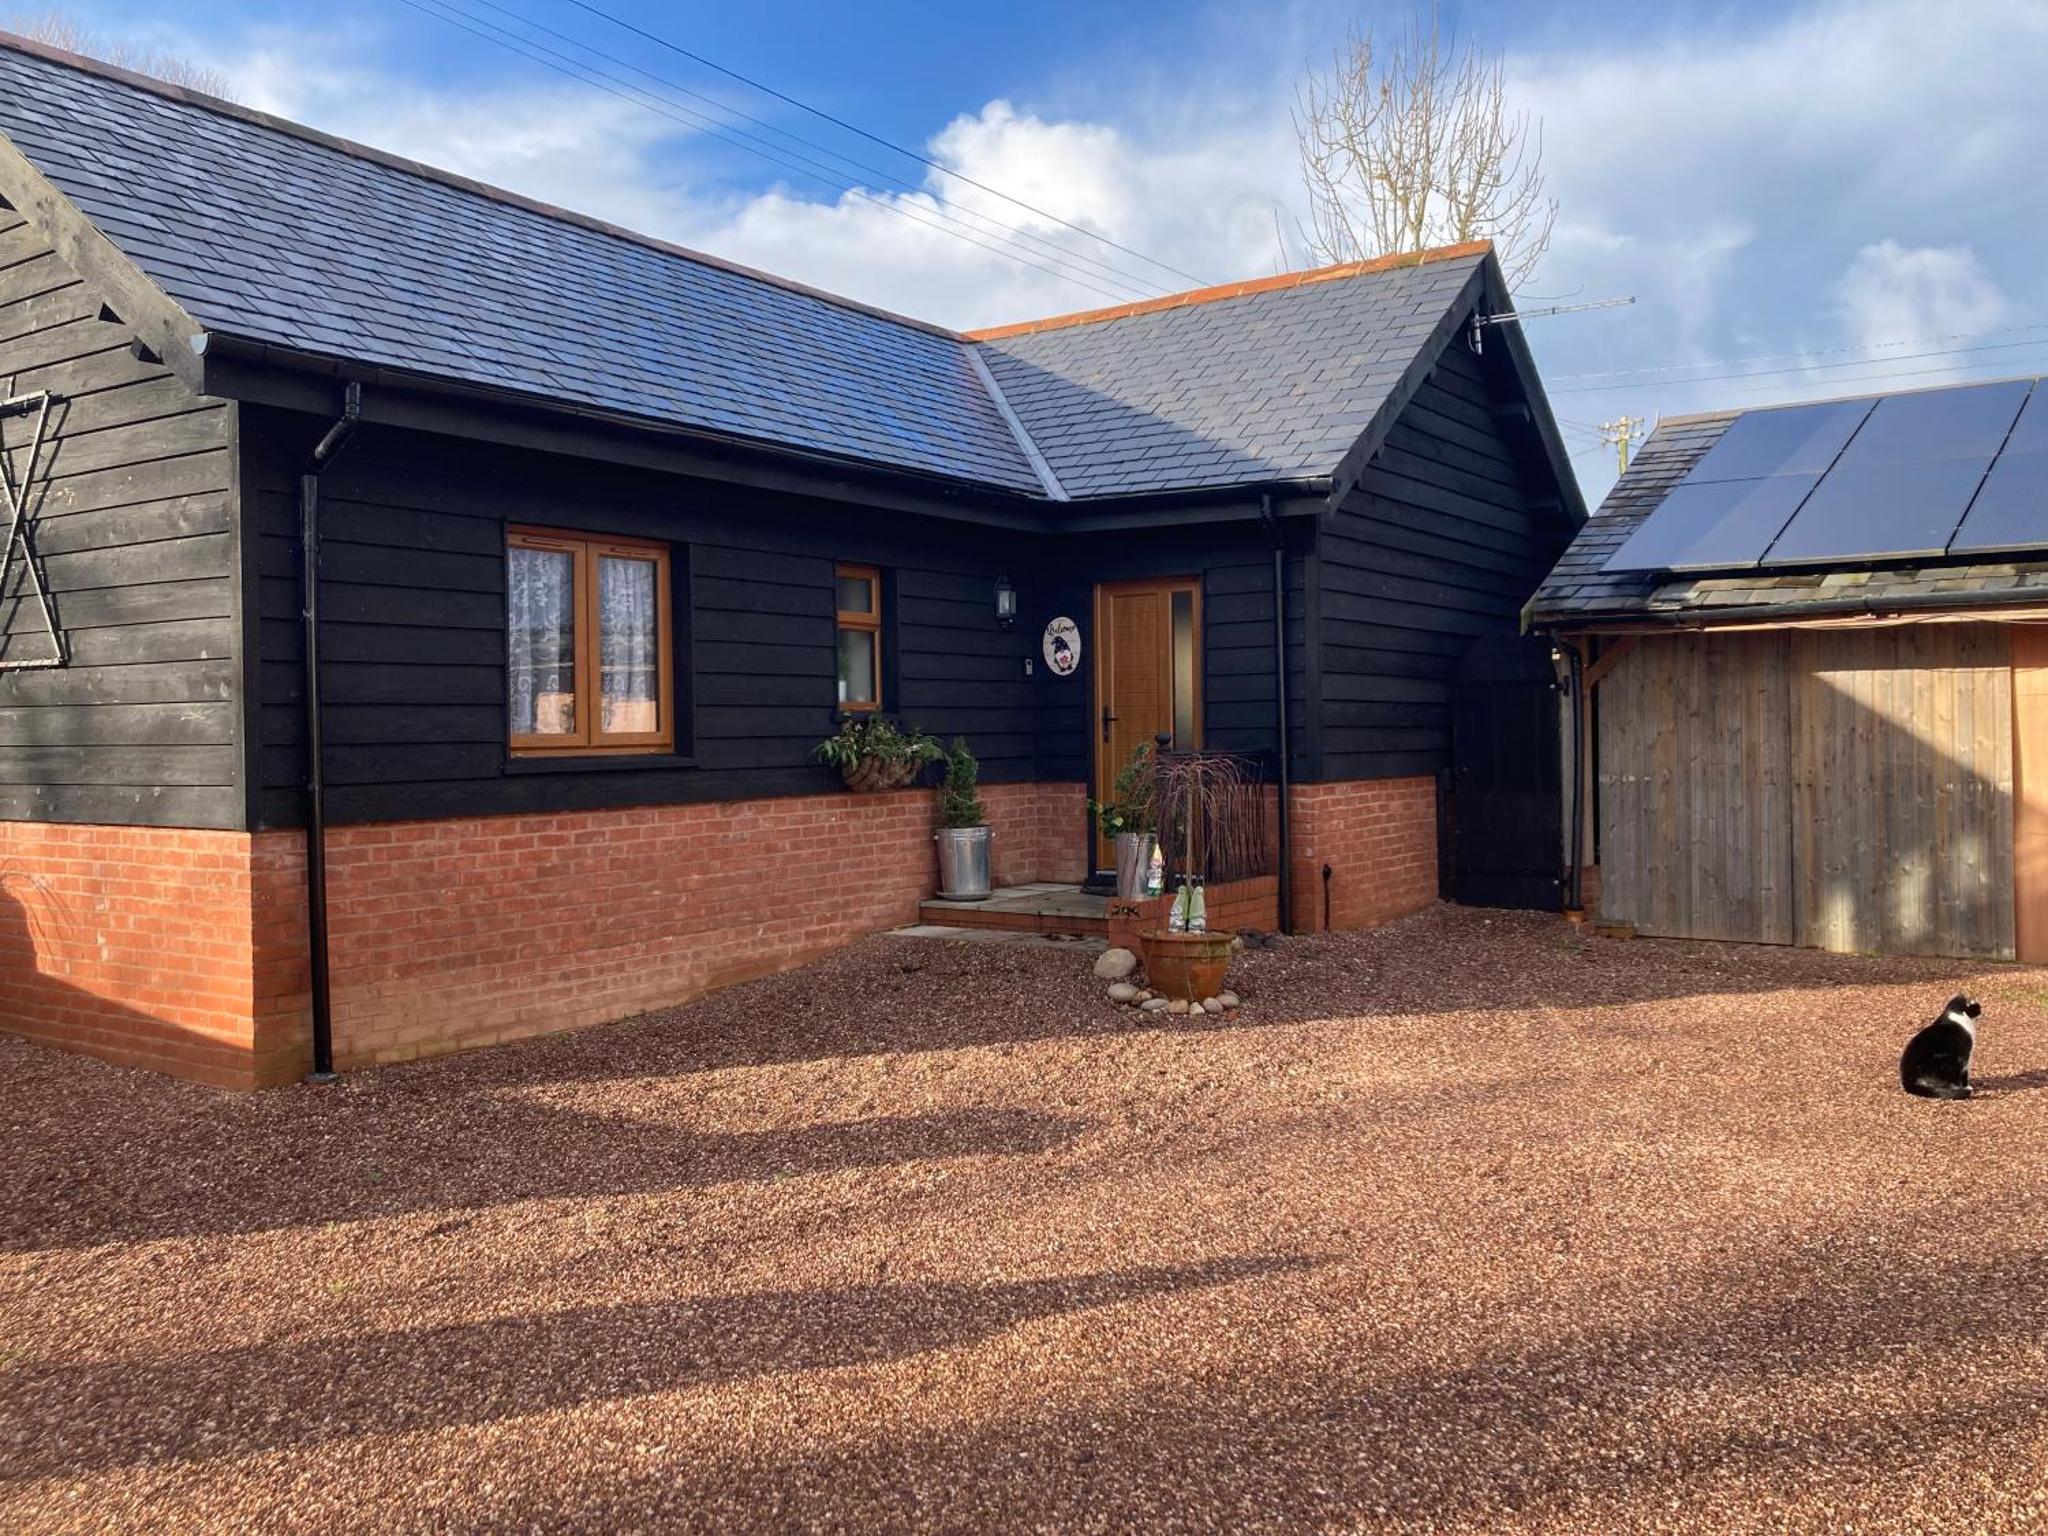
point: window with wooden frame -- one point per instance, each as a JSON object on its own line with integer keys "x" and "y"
{"x": 589, "y": 644}
{"x": 860, "y": 637}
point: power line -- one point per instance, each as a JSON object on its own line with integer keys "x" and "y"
{"x": 1768, "y": 373}
{"x": 1061, "y": 252}
{"x": 873, "y": 138}
{"x": 624, "y": 90}
{"x": 1794, "y": 357}
{"x": 588, "y": 75}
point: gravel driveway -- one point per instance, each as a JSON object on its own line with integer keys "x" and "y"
{"x": 1469, "y": 1224}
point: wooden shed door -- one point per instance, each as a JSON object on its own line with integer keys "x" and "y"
{"x": 1847, "y": 789}
{"x": 1148, "y": 675}
{"x": 1696, "y": 803}
{"x": 2030, "y": 791}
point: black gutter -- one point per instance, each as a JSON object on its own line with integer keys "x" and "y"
{"x": 323, "y": 455}
{"x": 1279, "y": 539}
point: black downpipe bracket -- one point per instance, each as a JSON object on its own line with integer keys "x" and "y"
{"x": 323, "y": 455}
{"x": 1279, "y": 539}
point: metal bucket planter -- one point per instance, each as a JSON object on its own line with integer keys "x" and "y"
{"x": 963, "y": 863}
{"x": 1189, "y": 966}
{"x": 1133, "y": 863}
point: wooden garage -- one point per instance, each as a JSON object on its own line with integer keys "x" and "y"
{"x": 1845, "y": 754}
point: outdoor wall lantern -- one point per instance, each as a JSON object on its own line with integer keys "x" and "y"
{"x": 1006, "y": 602}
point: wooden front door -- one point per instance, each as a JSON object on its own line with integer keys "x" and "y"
{"x": 1148, "y": 675}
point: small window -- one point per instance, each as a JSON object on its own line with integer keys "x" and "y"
{"x": 860, "y": 637}
{"x": 589, "y": 642}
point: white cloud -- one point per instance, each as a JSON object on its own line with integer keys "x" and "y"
{"x": 1891, "y": 291}
{"x": 1207, "y": 207}
{"x": 944, "y": 249}
{"x": 1852, "y": 173}
{"x": 1847, "y": 172}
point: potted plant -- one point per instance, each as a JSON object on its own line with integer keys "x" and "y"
{"x": 872, "y": 753}
{"x": 1129, "y": 819}
{"x": 964, "y": 834}
{"x": 1196, "y": 794}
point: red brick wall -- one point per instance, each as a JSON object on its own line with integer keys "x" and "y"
{"x": 453, "y": 934}
{"x": 185, "y": 951}
{"x": 1379, "y": 838}
{"x": 133, "y": 944}
{"x": 1041, "y": 832}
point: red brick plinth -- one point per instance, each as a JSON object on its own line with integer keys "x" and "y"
{"x": 185, "y": 951}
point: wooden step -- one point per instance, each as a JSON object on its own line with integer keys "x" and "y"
{"x": 1024, "y": 909}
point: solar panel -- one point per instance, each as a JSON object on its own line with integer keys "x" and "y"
{"x": 2011, "y": 511}
{"x": 1712, "y": 525}
{"x": 2030, "y": 432}
{"x": 1889, "y": 511}
{"x": 1969, "y": 422}
{"x": 1788, "y": 440}
{"x": 1960, "y": 473}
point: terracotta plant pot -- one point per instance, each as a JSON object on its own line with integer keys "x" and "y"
{"x": 1189, "y": 966}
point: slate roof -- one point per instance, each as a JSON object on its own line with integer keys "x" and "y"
{"x": 271, "y": 233}
{"x": 1274, "y": 383}
{"x": 1578, "y": 592}
{"x": 276, "y": 237}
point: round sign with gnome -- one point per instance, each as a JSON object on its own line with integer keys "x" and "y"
{"x": 1062, "y": 646}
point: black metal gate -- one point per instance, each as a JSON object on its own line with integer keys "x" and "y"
{"x": 1506, "y": 812}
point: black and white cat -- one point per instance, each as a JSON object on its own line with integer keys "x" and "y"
{"x": 1936, "y": 1063}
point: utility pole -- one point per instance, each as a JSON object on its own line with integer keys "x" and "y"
{"x": 1622, "y": 432}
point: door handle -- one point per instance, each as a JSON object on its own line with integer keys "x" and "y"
{"x": 1106, "y": 718}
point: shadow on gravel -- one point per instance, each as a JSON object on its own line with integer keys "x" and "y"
{"x": 69, "y": 1419}
{"x": 350, "y": 1160}
{"x": 2015, "y": 1082}
{"x": 1771, "y": 1376}
{"x": 1446, "y": 959}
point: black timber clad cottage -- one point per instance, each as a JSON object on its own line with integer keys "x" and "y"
{"x": 747, "y": 505}
{"x": 1850, "y": 755}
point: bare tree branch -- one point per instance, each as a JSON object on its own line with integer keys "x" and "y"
{"x": 62, "y": 31}
{"x": 1418, "y": 148}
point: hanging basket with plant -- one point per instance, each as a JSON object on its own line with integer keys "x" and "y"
{"x": 874, "y": 754}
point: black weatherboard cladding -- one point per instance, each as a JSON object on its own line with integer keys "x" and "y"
{"x": 1233, "y": 562}
{"x": 1439, "y": 545}
{"x": 135, "y": 534}
{"x": 171, "y": 531}
{"x": 414, "y": 640}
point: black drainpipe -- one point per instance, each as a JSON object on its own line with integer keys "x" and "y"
{"x": 1576, "y": 903}
{"x": 329, "y": 449}
{"x": 1280, "y": 699}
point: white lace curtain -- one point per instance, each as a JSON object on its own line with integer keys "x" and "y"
{"x": 627, "y": 623}
{"x": 542, "y": 642}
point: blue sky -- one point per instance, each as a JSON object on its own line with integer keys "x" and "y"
{"x": 1808, "y": 199}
